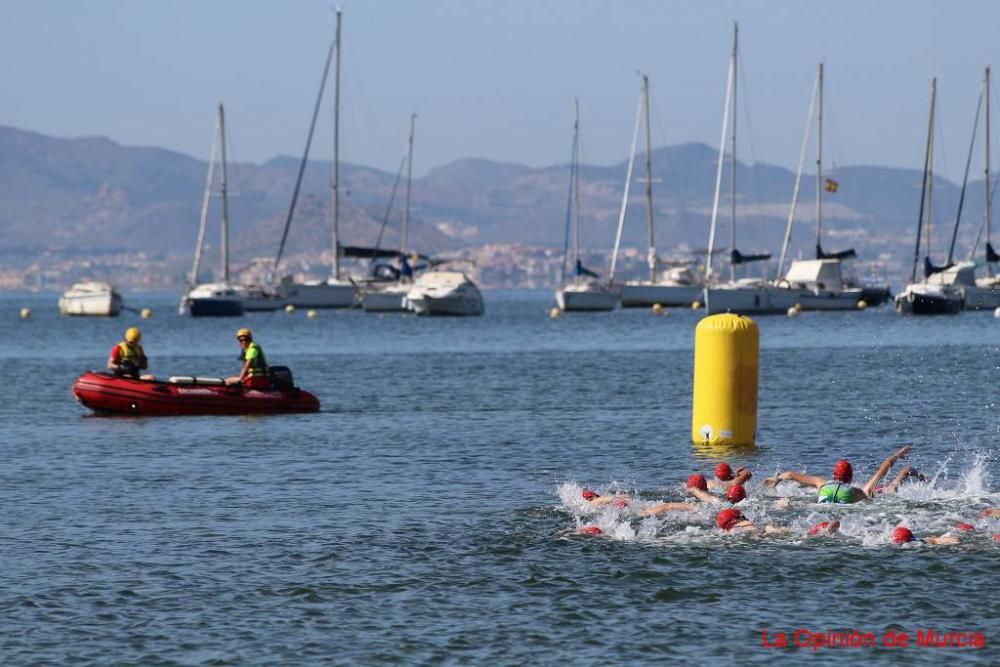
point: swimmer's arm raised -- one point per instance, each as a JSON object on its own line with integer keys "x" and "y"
{"x": 883, "y": 470}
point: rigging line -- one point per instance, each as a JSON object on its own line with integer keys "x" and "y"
{"x": 305, "y": 156}
{"x": 982, "y": 223}
{"x": 388, "y": 208}
{"x": 832, "y": 128}
{"x": 965, "y": 181}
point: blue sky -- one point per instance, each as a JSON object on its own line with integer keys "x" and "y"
{"x": 496, "y": 79}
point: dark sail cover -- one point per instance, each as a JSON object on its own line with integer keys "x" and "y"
{"x": 930, "y": 269}
{"x": 735, "y": 257}
{"x": 843, "y": 254}
{"x": 581, "y": 271}
{"x": 991, "y": 254}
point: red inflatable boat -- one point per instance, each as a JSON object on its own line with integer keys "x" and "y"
{"x": 114, "y": 394}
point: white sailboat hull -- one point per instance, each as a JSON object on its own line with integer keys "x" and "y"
{"x": 586, "y": 298}
{"x": 387, "y": 299}
{"x": 744, "y": 300}
{"x": 326, "y": 294}
{"x": 982, "y": 298}
{"x": 258, "y": 299}
{"x": 823, "y": 300}
{"x": 91, "y": 299}
{"x": 644, "y": 294}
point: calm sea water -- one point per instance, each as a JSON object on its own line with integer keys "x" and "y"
{"x": 427, "y": 514}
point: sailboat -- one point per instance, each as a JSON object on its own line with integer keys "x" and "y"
{"x": 676, "y": 286}
{"x": 585, "y": 292}
{"x": 981, "y": 293}
{"x": 816, "y": 284}
{"x": 747, "y": 295}
{"x": 928, "y": 297}
{"x": 92, "y": 298}
{"x": 213, "y": 299}
{"x": 390, "y": 296}
{"x": 335, "y": 291}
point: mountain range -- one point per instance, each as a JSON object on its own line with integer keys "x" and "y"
{"x": 92, "y": 195}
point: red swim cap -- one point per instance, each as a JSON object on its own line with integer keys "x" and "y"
{"x": 843, "y": 472}
{"x": 819, "y": 528}
{"x": 997, "y": 537}
{"x": 965, "y": 526}
{"x": 726, "y": 519}
{"x": 697, "y": 481}
{"x": 902, "y": 535}
{"x": 724, "y": 472}
{"x": 735, "y": 493}
{"x": 590, "y": 530}
{"x": 588, "y": 494}
{"x": 621, "y": 503}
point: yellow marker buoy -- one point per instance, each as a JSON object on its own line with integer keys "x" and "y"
{"x": 996, "y": 313}
{"x": 289, "y": 309}
{"x": 862, "y": 304}
{"x": 793, "y": 312}
{"x": 312, "y": 314}
{"x": 658, "y": 309}
{"x": 146, "y": 313}
{"x": 726, "y": 359}
{"x": 555, "y": 313}
{"x": 696, "y": 305}
{"x": 26, "y": 313}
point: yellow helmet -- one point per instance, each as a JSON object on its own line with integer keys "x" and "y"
{"x": 244, "y": 333}
{"x": 133, "y": 335}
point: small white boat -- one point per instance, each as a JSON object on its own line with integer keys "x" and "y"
{"x": 212, "y": 300}
{"x": 677, "y": 287}
{"x": 817, "y": 284}
{"x": 748, "y": 296}
{"x": 589, "y": 296}
{"x": 258, "y": 299}
{"x": 384, "y": 298}
{"x": 444, "y": 293}
{"x": 91, "y": 298}
{"x": 330, "y": 293}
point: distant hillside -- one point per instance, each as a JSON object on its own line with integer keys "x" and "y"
{"x": 93, "y": 194}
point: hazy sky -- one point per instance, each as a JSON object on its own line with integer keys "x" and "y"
{"x": 496, "y": 79}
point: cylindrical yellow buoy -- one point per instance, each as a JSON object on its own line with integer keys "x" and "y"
{"x": 696, "y": 305}
{"x": 312, "y": 314}
{"x": 26, "y": 313}
{"x": 862, "y": 304}
{"x": 726, "y": 358}
{"x": 146, "y": 313}
{"x": 289, "y": 309}
{"x": 555, "y": 313}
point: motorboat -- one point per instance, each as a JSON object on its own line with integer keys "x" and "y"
{"x": 817, "y": 284}
{"x": 107, "y": 393}
{"x": 212, "y": 300}
{"x": 91, "y": 298}
{"x": 330, "y": 293}
{"x": 747, "y": 296}
{"x": 444, "y": 293}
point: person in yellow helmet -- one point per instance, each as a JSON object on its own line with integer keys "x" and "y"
{"x": 127, "y": 357}
{"x": 254, "y": 373}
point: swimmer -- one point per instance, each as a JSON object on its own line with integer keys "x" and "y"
{"x": 724, "y": 477}
{"x": 824, "y": 528}
{"x": 734, "y": 494}
{"x": 600, "y": 501}
{"x": 697, "y": 485}
{"x": 990, "y": 512}
{"x": 732, "y": 519}
{"x": 839, "y": 489}
{"x": 902, "y": 535}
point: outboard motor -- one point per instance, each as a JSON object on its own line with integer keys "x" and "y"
{"x": 281, "y": 377}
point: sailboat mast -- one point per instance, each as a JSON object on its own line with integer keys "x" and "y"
{"x": 923, "y": 187}
{"x": 986, "y": 182}
{"x": 651, "y": 259}
{"x": 930, "y": 168}
{"x": 819, "y": 162}
{"x": 623, "y": 210}
{"x": 335, "y": 182}
{"x": 225, "y": 198}
{"x": 798, "y": 178}
{"x": 732, "y": 176}
{"x": 576, "y": 190}
{"x": 718, "y": 173}
{"x": 200, "y": 245}
{"x": 409, "y": 179}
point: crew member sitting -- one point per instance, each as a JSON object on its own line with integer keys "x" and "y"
{"x": 127, "y": 357}
{"x": 254, "y": 373}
